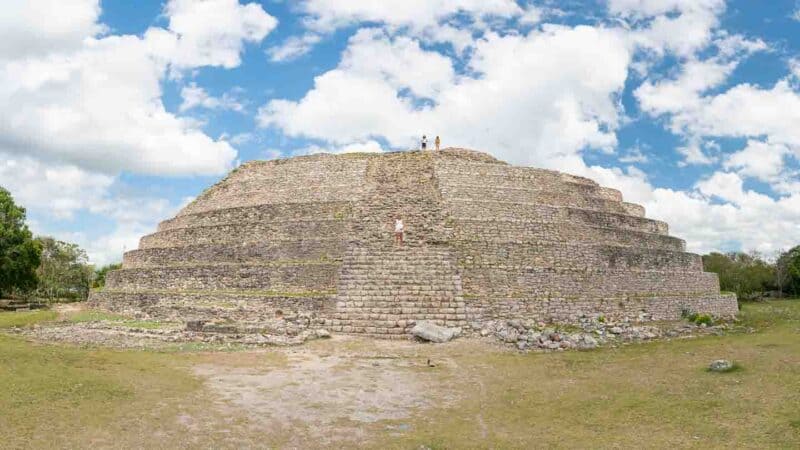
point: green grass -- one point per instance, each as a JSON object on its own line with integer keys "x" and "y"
{"x": 615, "y": 398}
{"x": 90, "y": 315}
{"x": 655, "y": 395}
{"x": 25, "y": 318}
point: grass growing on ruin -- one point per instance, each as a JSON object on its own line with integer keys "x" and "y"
{"x": 90, "y": 315}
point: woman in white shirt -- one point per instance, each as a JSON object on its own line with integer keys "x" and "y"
{"x": 398, "y": 231}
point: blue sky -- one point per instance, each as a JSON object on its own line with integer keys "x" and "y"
{"x": 115, "y": 114}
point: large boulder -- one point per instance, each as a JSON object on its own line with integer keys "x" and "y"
{"x": 429, "y": 331}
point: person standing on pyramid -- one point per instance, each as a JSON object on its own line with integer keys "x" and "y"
{"x": 424, "y": 142}
{"x": 398, "y": 231}
{"x": 437, "y": 142}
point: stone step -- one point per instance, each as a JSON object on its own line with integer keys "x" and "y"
{"x": 566, "y": 194}
{"x": 284, "y": 278}
{"x": 454, "y": 180}
{"x": 234, "y": 305}
{"x": 480, "y": 209}
{"x": 237, "y": 234}
{"x": 576, "y": 256}
{"x": 303, "y": 249}
{"x": 570, "y": 283}
{"x": 262, "y": 213}
{"x": 260, "y": 182}
{"x": 481, "y": 230}
{"x": 657, "y": 305}
{"x": 476, "y": 170}
{"x": 553, "y": 200}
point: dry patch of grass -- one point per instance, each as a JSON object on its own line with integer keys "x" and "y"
{"x": 473, "y": 395}
{"x": 650, "y": 395}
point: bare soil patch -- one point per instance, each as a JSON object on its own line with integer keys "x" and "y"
{"x": 334, "y": 392}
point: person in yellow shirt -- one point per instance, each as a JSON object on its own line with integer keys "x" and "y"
{"x": 437, "y": 142}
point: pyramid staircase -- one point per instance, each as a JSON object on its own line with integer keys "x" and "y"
{"x": 385, "y": 288}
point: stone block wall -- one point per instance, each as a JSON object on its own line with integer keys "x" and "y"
{"x": 310, "y": 239}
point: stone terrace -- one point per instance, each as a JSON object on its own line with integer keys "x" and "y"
{"x": 309, "y": 240}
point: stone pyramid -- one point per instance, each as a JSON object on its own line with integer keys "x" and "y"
{"x": 309, "y": 241}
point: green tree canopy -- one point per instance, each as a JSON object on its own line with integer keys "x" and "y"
{"x": 788, "y": 271}
{"x": 746, "y": 274}
{"x": 19, "y": 252}
{"x": 64, "y": 271}
{"x": 100, "y": 274}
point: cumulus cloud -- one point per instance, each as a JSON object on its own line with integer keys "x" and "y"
{"x": 38, "y": 27}
{"x": 327, "y": 15}
{"x": 60, "y": 189}
{"x": 195, "y": 96}
{"x": 677, "y": 26}
{"x": 79, "y": 105}
{"x": 526, "y": 102}
{"x": 293, "y": 47}
{"x": 761, "y": 160}
{"x": 213, "y": 32}
{"x": 98, "y": 105}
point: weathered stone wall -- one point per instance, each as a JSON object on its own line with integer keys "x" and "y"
{"x": 293, "y": 278}
{"x": 575, "y": 256}
{"x": 309, "y": 179}
{"x": 287, "y": 230}
{"x": 240, "y": 307}
{"x": 261, "y": 213}
{"x": 534, "y": 232}
{"x": 311, "y": 238}
{"x": 569, "y": 310}
{"x": 308, "y": 248}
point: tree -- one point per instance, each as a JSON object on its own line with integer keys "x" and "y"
{"x": 64, "y": 271}
{"x": 787, "y": 271}
{"x": 19, "y": 252}
{"x": 100, "y": 274}
{"x": 746, "y": 274}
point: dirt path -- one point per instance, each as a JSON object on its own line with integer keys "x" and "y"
{"x": 332, "y": 392}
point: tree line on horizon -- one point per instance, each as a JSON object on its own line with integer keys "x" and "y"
{"x": 46, "y": 268}
{"x": 41, "y": 267}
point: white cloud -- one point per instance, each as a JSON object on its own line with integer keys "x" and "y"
{"x": 194, "y": 96}
{"x": 39, "y": 27}
{"x": 759, "y": 159}
{"x": 59, "y": 189}
{"x": 62, "y": 192}
{"x": 745, "y": 111}
{"x": 213, "y": 32}
{"x": 97, "y": 104}
{"x": 100, "y": 108}
{"x": 526, "y": 103}
{"x": 451, "y": 22}
{"x": 293, "y": 47}
{"x": 679, "y": 26}
{"x": 327, "y": 15}
{"x": 719, "y": 214}
{"x": 634, "y": 155}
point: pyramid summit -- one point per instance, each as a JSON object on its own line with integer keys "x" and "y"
{"x": 308, "y": 242}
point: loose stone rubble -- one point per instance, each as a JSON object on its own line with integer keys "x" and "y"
{"x": 588, "y": 334}
{"x": 431, "y": 332}
{"x": 286, "y": 247}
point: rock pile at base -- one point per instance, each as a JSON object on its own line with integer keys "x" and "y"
{"x": 589, "y": 334}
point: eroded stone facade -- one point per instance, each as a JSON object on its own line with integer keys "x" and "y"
{"x": 309, "y": 240}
